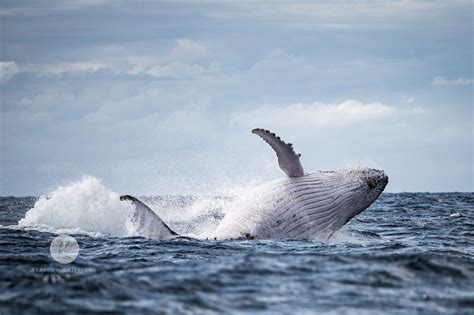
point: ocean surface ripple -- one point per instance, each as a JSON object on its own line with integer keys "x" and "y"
{"x": 407, "y": 253}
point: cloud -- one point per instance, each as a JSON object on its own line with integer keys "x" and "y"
{"x": 315, "y": 114}
{"x": 335, "y": 15}
{"x": 8, "y": 70}
{"x": 175, "y": 70}
{"x": 186, "y": 48}
{"x": 442, "y": 81}
{"x": 181, "y": 58}
{"x": 38, "y": 9}
{"x": 178, "y": 62}
{"x": 132, "y": 67}
{"x": 71, "y": 68}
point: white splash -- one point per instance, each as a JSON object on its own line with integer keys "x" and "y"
{"x": 204, "y": 214}
{"x": 248, "y": 208}
{"x": 198, "y": 219}
{"x": 83, "y": 206}
{"x": 88, "y": 207}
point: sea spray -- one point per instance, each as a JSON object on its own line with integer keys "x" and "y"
{"x": 86, "y": 205}
{"x": 199, "y": 216}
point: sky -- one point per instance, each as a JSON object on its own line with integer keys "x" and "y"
{"x": 160, "y": 97}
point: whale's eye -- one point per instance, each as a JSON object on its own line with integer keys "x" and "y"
{"x": 371, "y": 182}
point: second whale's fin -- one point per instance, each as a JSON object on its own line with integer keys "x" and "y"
{"x": 288, "y": 160}
{"x": 147, "y": 223}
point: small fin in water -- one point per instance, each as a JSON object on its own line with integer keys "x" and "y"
{"x": 288, "y": 160}
{"x": 147, "y": 223}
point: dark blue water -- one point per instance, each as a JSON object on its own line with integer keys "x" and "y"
{"x": 408, "y": 253}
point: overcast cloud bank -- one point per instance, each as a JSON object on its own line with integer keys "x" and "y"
{"x": 160, "y": 98}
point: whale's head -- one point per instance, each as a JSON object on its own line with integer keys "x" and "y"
{"x": 351, "y": 191}
{"x": 373, "y": 182}
{"x": 363, "y": 187}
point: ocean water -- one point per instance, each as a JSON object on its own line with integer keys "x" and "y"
{"x": 408, "y": 253}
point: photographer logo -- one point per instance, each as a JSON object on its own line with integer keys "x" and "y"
{"x": 64, "y": 249}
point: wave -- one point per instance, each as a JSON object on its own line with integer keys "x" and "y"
{"x": 82, "y": 206}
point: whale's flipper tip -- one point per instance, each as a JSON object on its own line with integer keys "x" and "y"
{"x": 128, "y": 197}
{"x": 147, "y": 223}
{"x": 288, "y": 160}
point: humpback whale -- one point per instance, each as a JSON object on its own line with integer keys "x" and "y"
{"x": 299, "y": 206}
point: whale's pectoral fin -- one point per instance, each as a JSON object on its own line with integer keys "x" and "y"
{"x": 288, "y": 160}
{"x": 147, "y": 223}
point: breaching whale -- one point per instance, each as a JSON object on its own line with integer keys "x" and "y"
{"x": 300, "y": 206}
